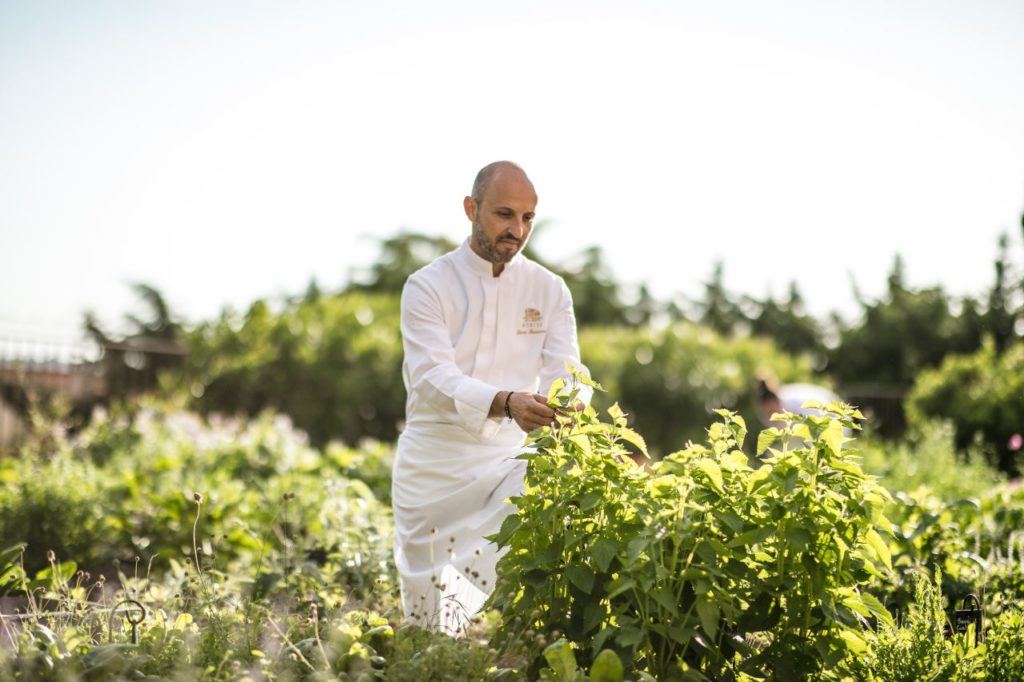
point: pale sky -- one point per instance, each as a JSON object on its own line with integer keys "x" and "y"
{"x": 225, "y": 151}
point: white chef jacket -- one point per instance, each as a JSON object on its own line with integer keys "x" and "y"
{"x": 468, "y": 335}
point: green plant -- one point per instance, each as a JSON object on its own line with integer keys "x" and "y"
{"x": 702, "y": 566}
{"x": 980, "y": 394}
{"x": 917, "y": 648}
{"x": 672, "y": 379}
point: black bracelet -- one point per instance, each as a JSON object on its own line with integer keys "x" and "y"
{"x": 508, "y": 412}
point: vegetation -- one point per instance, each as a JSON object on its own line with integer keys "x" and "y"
{"x": 257, "y": 556}
{"x": 247, "y": 510}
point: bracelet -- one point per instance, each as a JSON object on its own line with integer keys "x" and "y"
{"x": 508, "y": 412}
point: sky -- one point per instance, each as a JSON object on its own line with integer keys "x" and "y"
{"x": 229, "y": 151}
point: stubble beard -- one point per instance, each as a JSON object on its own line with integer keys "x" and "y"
{"x": 491, "y": 248}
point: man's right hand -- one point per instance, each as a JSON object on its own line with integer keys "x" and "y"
{"x": 530, "y": 411}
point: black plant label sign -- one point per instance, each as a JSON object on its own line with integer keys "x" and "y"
{"x": 969, "y": 614}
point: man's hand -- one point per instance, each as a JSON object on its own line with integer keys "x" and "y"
{"x": 530, "y": 411}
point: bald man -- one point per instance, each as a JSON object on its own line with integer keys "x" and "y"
{"x": 485, "y": 332}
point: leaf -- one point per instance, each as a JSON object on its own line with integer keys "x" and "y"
{"x": 713, "y": 472}
{"x": 581, "y": 576}
{"x": 607, "y": 667}
{"x": 751, "y": 537}
{"x": 768, "y": 438}
{"x": 591, "y": 500}
{"x": 560, "y": 657}
{"x": 708, "y": 613}
{"x": 880, "y": 546}
{"x": 538, "y": 578}
{"x": 593, "y": 615}
{"x": 877, "y": 609}
{"x": 583, "y": 442}
{"x": 620, "y": 585}
{"x": 556, "y": 387}
{"x": 603, "y": 551}
{"x": 509, "y": 526}
{"x": 665, "y": 599}
{"x": 629, "y": 636}
{"x": 799, "y": 537}
{"x": 634, "y": 439}
{"x": 833, "y": 437}
{"x": 854, "y": 642}
{"x": 61, "y": 573}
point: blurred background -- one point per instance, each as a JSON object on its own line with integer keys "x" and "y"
{"x": 218, "y": 203}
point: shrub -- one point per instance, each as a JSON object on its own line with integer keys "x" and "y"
{"x": 332, "y": 363}
{"x": 671, "y": 380}
{"x": 983, "y": 396}
{"x": 677, "y": 567}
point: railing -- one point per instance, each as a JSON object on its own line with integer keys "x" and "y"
{"x": 79, "y": 370}
{"x": 881, "y": 404}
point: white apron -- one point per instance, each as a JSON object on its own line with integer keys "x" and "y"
{"x": 449, "y": 491}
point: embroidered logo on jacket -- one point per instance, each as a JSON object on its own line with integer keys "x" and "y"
{"x": 532, "y": 323}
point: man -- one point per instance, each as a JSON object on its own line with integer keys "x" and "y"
{"x": 485, "y": 333}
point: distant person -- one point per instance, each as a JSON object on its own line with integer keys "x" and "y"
{"x": 485, "y": 332}
{"x": 773, "y": 398}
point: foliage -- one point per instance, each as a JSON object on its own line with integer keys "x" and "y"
{"x": 264, "y": 558}
{"x": 981, "y": 395}
{"x": 673, "y": 379}
{"x": 1004, "y": 647}
{"x": 676, "y": 567}
{"x": 917, "y": 648}
{"x": 276, "y": 509}
{"x": 332, "y": 363}
{"x": 928, "y": 456}
{"x": 900, "y": 335}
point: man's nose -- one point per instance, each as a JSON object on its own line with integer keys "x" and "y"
{"x": 518, "y": 228}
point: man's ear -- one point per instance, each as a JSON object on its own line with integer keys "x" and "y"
{"x": 469, "y": 205}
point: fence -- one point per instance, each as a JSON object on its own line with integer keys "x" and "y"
{"x": 881, "y": 404}
{"x": 82, "y": 372}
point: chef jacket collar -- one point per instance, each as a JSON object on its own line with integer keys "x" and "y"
{"x": 481, "y": 266}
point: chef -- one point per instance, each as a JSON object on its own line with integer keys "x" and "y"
{"x": 485, "y": 332}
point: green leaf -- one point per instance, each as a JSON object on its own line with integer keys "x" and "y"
{"x": 603, "y": 551}
{"x": 556, "y": 387}
{"x": 593, "y": 615}
{"x": 877, "y": 609}
{"x": 634, "y": 439}
{"x": 881, "y": 548}
{"x": 562, "y": 661}
{"x": 620, "y": 585}
{"x": 536, "y": 578}
{"x": 509, "y": 526}
{"x": 854, "y": 642}
{"x": 629, "y": 636}
{"x": 60, "y": 573}
{"x": 751, "y": 537}
{"x": 799, "y": 537}
{"x": 833, "y": 437}
{"x": 713, "y": 472}
{"x": 708, "y": 613}
{"x": 583, "y": 442}
{"x": 581, "y": 576}
{"x": 607, "y": 667}
{"x": 768, "y": 438}
{"x": 665, "y": 599}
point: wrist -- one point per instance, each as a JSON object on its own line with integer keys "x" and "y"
{"x": 508, "y": 407}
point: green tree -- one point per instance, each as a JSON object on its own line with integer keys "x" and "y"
{"x": 400, "y": 256}
{"x": 787, "y": 323}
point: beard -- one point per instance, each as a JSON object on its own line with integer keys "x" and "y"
{"x": 490, "y": 248}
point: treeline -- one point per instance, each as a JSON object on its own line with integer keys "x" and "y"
{"x": 332, "y": 360}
